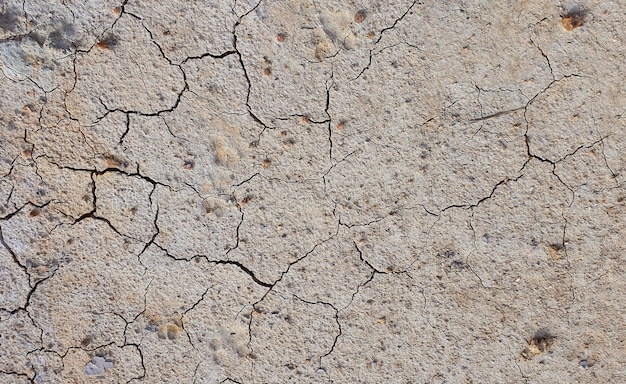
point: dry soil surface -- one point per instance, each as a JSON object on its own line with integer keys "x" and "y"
{"x": 299, "y": 191}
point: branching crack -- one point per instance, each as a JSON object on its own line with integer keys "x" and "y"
{"x": 332, "y": 347}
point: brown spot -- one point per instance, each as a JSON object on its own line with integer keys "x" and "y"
{"x": 112, "y": 161}
{"x": 246, "y": 200}
{"x": 370, "y": 35}
{"x": 162, "y": 332}
{"x": 116, "y": 10}
{"x": 267, "y": 163}
{"x": 304, "y": 120}
{"x": 283, "y": 133}
{"x": 108, "y": 42}
{"x": 188, "y": 164}
{"x": 360, "y": 16}
{"x": 556, "y": 251}
{"x": 280, "y": 37}
{"x": 540, "y": 343}
{"x": 34, "y": 212}
{"x": 267, "y": 72}
{"x": 86, "y": 341}
{"x": 341, "y": 125}
{"x": 573, "y": 19}
{"x": 27, "y": 152}
{"x": 154, "y": 320}
{"x": 389, "y": 269}
{"x": 172, "y": 331}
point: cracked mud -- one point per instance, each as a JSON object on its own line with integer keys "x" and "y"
{"x": 308, "y": 191}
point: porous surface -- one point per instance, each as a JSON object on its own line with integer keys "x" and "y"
{"x": 312, "y": 191}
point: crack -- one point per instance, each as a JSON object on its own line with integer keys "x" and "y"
{"x": 182, "y": 316}
{"x": 245, "y": 72}
{"x": 272, "y": 285}
{"x": 505, "y": 337}
{"x": 152, "y": 239}
{"x": 543, "y": 54}
{"x": 163, "y": 55}
{"x": 380, "y": 36}
{"x": 600, "y": 141}
{"x": 246, "y": 180}
{"x": 145, "y": 306}
{"x": 95, "y": 172}
{"x": 217, "y": 262}
{"x": 19, "y": 374}
{"x": 382, "y": 31}
{"x": 18, "y": 210}
{"x": 504, "y": 181}
{"x": 376, "y": 220}
{"x": 323, "y": 177}
{"x": 143, "y": 366}
{"x": 372, "y": 54}
{"x": 244, "y": 269}
{"x": 195, "y": 373}
{"x": 208, "y": 54}
{"x": 121, "y": 141}
{"x": 330, "y": 130}
{"x": 14, "y": 256}
{"x": 93, "y": 213}
{"x": 232, "y": 380}
{"x": 332, "y": 347}
{"x": 31, "y": 292}
{"x": 482, "y": 283}
{"x": 237, "y": 238}
{"x": 369, "y": 279}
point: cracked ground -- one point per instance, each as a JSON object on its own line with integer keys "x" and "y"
{"x": 300, "y": 191}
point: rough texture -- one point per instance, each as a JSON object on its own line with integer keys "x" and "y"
{"x": 299, "y": 191}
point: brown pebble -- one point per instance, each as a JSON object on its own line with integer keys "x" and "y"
{"x": 360, "y": 16}
{"x": 573, "y": 20}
